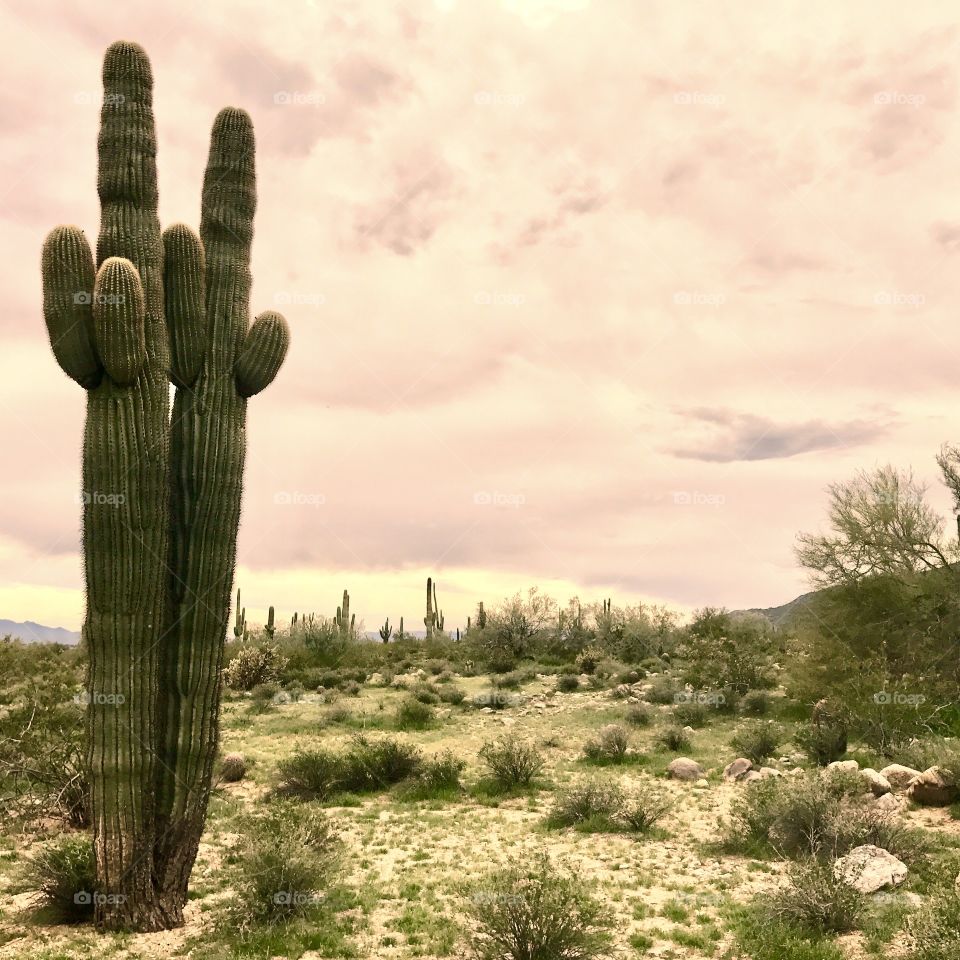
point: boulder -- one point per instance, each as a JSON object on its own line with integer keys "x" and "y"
{"x": 843, "y": 766}
{"x": 889, "y": 803}
{"x": 376, "y": 680}
{"x": 737, "y": 769}
{"x": 685, "y": 769}
{"x": 869, "y": 869}
{"x": 936, "y": 787}
{"x": 878, "y": 784}
{"x": 899, "y": 776}
{"x": 767, "y": 772}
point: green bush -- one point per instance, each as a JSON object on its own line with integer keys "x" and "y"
{"x": 414, "y": 715}
{"x": 663, "y": 690}
{"x": 755, "y": 703}
{"x": 437, "y": 777}
{"x": 452, "y": 695}
{"x": 312, "y": 773}
{"x": 935, "y": 929}
{"x": 690, "y": 713}
{"x": 673, "y": 739}
{"x": 288, "y": 859}
{"x": 757, "y": 741}
{"x": 639, "y": 715}
{"x": 511, "y": 764}
{"x": 64, "y": 877}
{"x": 252, "y": 664}
{"x": 593, "y": 803}
{"x": 823, "y": 742}
{"x": 610, "y": 747}
{"x": 644, "y": 807}
{"x": 533, "y": 911}
{"x": 815, "y": 898}
{"x": 567, "y": 682}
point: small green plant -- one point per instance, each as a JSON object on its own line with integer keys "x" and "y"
{"x": 438, "y": 778}
{"x": 452, "y": 695}
{"x": 935, "y": 929}
{"x": 755, "y": 703}
{"x": 414, "y": 715}
{"x": 610, "y": 747}
{"x": 589, "y": 659}
{"x": 591, "y": 803}
{"x": 663, "y": 690}
{"x": 63, "y": 875}
{"x": 535, "y": 911}
{"x": 312, "y": 773}
{"x": 644, "y": 807}
{"x": 816, "y": 899}
{"x": 757, "y": 741}
{"x": 673, "y": 739}
{"x": 639, "y": 715}
{"x": 511, "y": 763}
{"x": 254, "y": 664}
{"x": 690, "y": 713}
{"x": 567, "y": 682}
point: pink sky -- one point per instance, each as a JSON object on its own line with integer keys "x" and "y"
{"x": 552, "y": 268}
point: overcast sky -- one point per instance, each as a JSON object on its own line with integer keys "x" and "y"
{"x": 592, "y": 295}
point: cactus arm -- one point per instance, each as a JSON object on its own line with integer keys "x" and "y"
{"x": 68, "y": 276}
{"x": 184, "y": 266}
{"x": 262, "y": 354}
{"x": 118, "y": 312}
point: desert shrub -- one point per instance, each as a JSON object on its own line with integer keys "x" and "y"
{"x": 644, "y": 807}
{"x": 437, "y": 667}
{"x": 755, "y": 703}
{"x": 931, "y": 752}
{"x": 351, "y": 688}
{"x": 63, "y": 876}
{"x": 639, "y": 715}
{"x": 589, "y": 659}
{"x": 673, "y": 739}
{"x": 233, "y": 768}
{"x": 815, "y": 898}
{"x": 529, "y": 910}
{"x": 322, "y": 637}
{"x": 610, "y": 746}
{"x": 414, "y": 715}
{"x": 425, "y": 693}
{"x": 823, "y": 742}
{"x": 254, "y": 664}
{"x": 373, "y": 764}
{"x": 663, "y": 690}
{"x": 759, "y": 937}
{"x": 437, "y": 777}
{"x": 312, "y": 773}
{"x": 294, "y": 690}
{"x": 289, "y": 857}
{"x": 42, "y": 768}
{"x": 517, "y": 628}
{"x": 935, "y": 929}
{"x": 722, "y": 649}
{"x": 265, "y": 696}
{"x": 511, "y": 764}
{"x": 452, "y": 695}
{"x": 567, "y": 682}
{"x": 690, "y": 713}
{"x": 757, "y": 741}
{"x": 593, "y": 803}
{"x": 631, "y": 675}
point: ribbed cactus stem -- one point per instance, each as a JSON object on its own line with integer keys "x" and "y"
{"x": 429, "y": 619}
{"x": 270, "y": 629}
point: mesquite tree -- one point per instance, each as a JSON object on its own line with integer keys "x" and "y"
{"x": 161, "y": 496}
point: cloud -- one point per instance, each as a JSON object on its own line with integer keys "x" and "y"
{"x": 745, "y": 436}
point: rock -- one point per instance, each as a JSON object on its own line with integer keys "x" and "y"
{"x": 375, "y": 680}
{"x": 935, "y": 787}
{"x": 869, "y": 868}
{"x": 843, "y": 766}
{"x": 684, "y": 769}
{"x": 888, "y": 803}
{"x": 689, "y": 730}
{"x": 899, "y": 776}
{"x": 233, "y": 768}
{"x": 767, "y": 772}
{"x": 752, "y": 776}
{"x": 878, "y": 784}
{"x": 702, "y": 784}
{"x": 737, "y": 769}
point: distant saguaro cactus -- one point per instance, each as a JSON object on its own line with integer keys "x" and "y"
{"x": 386, "y": 630}
{"x": 430, "y": 620}
{"x": 270, "y": 629}
{"x": 240, "y": 621}
{"x": 161, "y": 498}
{"x": 343, "y": 619}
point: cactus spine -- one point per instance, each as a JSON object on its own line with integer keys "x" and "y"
{"x": 386, "y": 630}
{"x": 159, "y": 555}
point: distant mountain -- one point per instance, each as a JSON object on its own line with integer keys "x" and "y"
{"x": 30, "y": 632}
{"x": 785, "y": 614}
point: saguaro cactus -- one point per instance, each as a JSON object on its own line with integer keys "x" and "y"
{"x": 270, "y": 629}
{"x": 161, "y": 499}
{"x": 385, "y": 631}
{"x": 107, "y": 333}
{"x": 429, "y": 621}
{"x": 344, "y": 621}
{"x": 220, "y": 360}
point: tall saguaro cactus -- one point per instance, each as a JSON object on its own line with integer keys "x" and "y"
{"x": 220, "y": 360}
{"x": 106, "y": 331}
{"x": 161, "y": 499}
